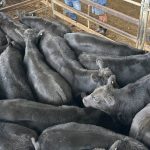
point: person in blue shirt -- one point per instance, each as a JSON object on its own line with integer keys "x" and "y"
{"x": 102, "y": 15}
{"x": 76, "y": 5}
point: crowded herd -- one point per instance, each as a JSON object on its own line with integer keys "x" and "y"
{"x": 70, "y": 91}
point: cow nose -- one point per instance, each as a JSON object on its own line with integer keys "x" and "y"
{"x": 85, "y": 102}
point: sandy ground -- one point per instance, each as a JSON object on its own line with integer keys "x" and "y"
{"x": 119, "y": 5}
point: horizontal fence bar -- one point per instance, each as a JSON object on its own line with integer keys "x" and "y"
{"x": 79, "y": 25}
{"x": 91, "y": 19}
{"x": 18, "y": 5}
{"x": 112, "y": 12}
{"x": 34, "y": 11}
{"x": 109, "y": 27}
{"x": 133, "y": 2}
{"x": 37, "y": 10}
{"x": 46, "y": 3}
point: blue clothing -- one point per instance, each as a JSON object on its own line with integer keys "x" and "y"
{"x": 98, "y": 11}
{"x": 76, "y": 5}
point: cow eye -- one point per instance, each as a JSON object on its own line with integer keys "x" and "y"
{"x": 95, "y": 99}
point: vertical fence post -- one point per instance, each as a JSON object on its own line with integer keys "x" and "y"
{"x": 145, "y": 4}
{"x": 88, "y": 14}
{"x": 46, "y": 10}
{"x": 52, "y": 4}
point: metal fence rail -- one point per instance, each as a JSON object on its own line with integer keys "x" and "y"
{"x": 19, "y": 5}
{"x": 141, "y": 23}
{"x": 112, "y": 12}
{"x": 133, "y": 2}
{"x": 91, "y": 19}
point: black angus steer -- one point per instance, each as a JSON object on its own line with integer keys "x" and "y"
{"x": 13, "y": 79}
{"x": 16, "y": 137}
{"x": 140, "y": 128}
{"x": 74, "y": 136}
{"x": 52, "y": 26}
{"x": 48, "y": 85}
{"x": 59, "y": 56}
{"x": 40, "y": 116}
{"x": 10, "y": 28}
{"x": 127, "y": 69}
{"x": 88, "y": 43}
{"x": 122, "y": 104}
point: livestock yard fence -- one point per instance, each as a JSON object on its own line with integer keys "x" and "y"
{"x": 55, "y": 8}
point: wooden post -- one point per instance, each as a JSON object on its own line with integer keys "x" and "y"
{"x": 88, "y": 14}
{"x": 46, "y": 8}
{"x": 52, "y": 4}
{"x": 133, "y": 2}
{"x": 145, "y": 5}
{"x": 142, "y": 23}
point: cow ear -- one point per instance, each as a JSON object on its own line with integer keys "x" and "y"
{"x": 9, "y": 42}
{"x": 94, "y": 77}
{"x": 19, "y": 32}
{"x": 99, "y": 63}
{"x": 35, "y": 144}
{"x": 111, "y": 81}
{"x": 40, "y": 34}
{"x": 115, "y": 145}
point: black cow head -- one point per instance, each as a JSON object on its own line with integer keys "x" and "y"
{"x": 30, "y": 34}
{"x": 102, "y": 97}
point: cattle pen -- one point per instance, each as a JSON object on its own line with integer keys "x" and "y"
{"x": 74, "y": 75}
{"x": 54, "y": 8}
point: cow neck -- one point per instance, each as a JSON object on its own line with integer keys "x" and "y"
{"x": 31, "y": 47}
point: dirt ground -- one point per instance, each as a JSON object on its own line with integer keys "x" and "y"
{"x": 128, "y": 9}
{"x": 125, "y": 8}
{"x": 119, "y": 5}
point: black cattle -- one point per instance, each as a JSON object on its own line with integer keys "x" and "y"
{"x": 74, "y": 136}
{"x": 63, "y": 60}
{"x": 140, "y": 128}
{"x": 123, "y": 103}
{"x": 127, "y": 144}
{"x": 13, "y": 80}
{"x": 48, "y": 85}
{"x": 88, "y": 43}
{"x": 16, "y": 137}
{"x": 40, "y": 116}
{"x": 10, "y": 29}
{"x": 127, "y": 69}
{"x": 38, "y": 23}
